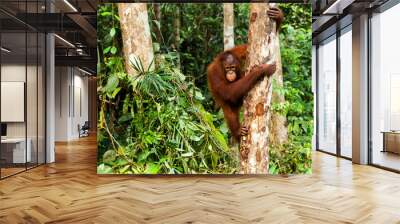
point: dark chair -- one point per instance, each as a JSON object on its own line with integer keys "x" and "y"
{"x": 84, "y": 130}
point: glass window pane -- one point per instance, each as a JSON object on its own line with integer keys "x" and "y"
{"x": 346, "y": 93}
{"x": 327, "y": 95}
{"x": 14, "y": 153}
{"x": 385, "y": 82}
{"x": 32, "y": 85}
{"x": 41, "y": 99}
{"x": 22, "y": 88}
{"x": 32, "y": 96}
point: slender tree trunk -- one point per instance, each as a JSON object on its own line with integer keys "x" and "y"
{"x": 177, "y": 29}
{"x": 136, "y": 35}
{"x": 229, "y": 35}
{"x": 157, "y": 14}
{"x": 278, "y": 127}
{"x": 262, "y": 43}
{"x": 158, "y": 57}
{"x": 229, "y": 38}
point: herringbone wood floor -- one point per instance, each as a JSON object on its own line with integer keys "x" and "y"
{"x": 69, "y": 191}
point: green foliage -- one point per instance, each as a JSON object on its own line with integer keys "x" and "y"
{"x": 241, "y": 20}
{"x": 290, "y": 158}
{"x": 201, "y": 39}
{"x": 295, "y": 40}
{"x": 159, "y": 126}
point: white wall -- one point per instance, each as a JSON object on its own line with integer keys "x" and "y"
{"x": 62, "y": 81}
{"x": 71, "y": 94}
{"x": 12, "y": 73}
{"x": 80, "y": 115}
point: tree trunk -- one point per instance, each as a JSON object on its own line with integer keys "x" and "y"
{"x": 158, "y": 57}
{"x": 157, "y": 15}
{"x": 136, "y": 35}
{"x": 229, "y": 40}
{"x": 262, "y": 48}
{"x": 278, "y": 129}
{"x": 177, "y": 29}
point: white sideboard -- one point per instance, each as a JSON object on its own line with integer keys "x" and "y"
{"x": 18, "y": 144}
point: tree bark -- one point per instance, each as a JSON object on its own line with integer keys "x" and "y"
{"x": 157, "y": 15}
{"x": 229, "y": 38}
{"x": 158, "y": 57}
{"x": 136, "y": 35}
{"x": 278, "y": 127}
{"x": 177, "y": 29}
{"x": 262, "y": 48}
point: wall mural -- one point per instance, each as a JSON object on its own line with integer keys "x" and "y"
{"x": 204, "y": 88}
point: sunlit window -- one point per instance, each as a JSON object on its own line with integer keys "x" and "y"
{"x": 327, "y": 95}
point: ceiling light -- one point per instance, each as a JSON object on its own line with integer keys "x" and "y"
{"x": 80, "y": 51}
{"x": 84, "y": 71}
{"x": 5, "y": 50}
{"x": 333, "y": 6}
{"x": 337, "y": 7}
{"x": 64, "y": 40}
{"x": 70, "y": 5}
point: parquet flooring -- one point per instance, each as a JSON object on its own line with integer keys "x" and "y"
{"x": 70, "y": 191}
{"x": 11, "y": 170}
